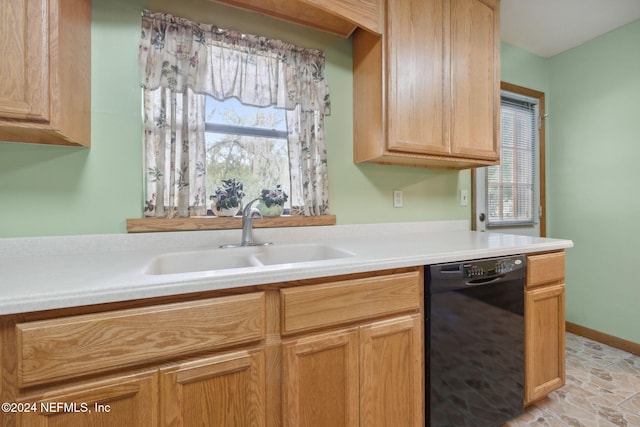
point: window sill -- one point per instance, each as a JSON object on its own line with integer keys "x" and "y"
{"x": 146, "y": 225}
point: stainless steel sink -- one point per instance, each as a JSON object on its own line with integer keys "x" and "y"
{"x": 220, "y": 259}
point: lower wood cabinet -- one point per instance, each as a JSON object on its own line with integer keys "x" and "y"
{"x": 391, "y": 372}
{"x": 320, "y": 382}
{"x": 188, "y": 363}
{"x": 344, "y": 351}
{"x": 353, "y": 352}
{"x": 127, "y": 401}
{"x": 544, "y": 325}
{"x": 225, "y": 390}
{"x": 366, "y": 376}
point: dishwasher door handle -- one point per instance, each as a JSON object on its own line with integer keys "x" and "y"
{"x": 484, "y": 281}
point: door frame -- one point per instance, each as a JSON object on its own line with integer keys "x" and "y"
{"x": 542, "y": 169}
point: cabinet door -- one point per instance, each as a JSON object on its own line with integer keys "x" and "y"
{"x": 545, "y": 341}
{"x": 475, "y": 83}
{"x": 24, "y": 66}
{"x": 391, "y": 374}
{"x": 320, "y": 380}
{"x": 226, "y": 391}
{"x": 45, "y": 64}
{"x": 128, "y": 402}
{"x": 416, "y": 72}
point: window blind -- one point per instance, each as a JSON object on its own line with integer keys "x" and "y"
{"x": 511, "y": 196}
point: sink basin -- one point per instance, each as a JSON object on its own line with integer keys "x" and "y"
{"x": 233, "y": 258}
{"x": 205, "y": 260}
{"x": 293, "y": 254}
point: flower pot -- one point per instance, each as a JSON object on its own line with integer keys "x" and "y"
{"x": 273, "y": 210}
{"x": 224, "y": 211}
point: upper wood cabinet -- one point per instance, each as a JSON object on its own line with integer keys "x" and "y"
{"x": 426, "y": 92}
{"x": 340, "y": 17}
{"x": 45, "y": 92}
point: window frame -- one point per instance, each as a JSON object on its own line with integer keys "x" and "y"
{"x": 475, "y": 213}
{"x": 518, "y": 103}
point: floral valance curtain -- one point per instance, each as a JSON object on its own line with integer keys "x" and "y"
{"x": 176, "y": 54}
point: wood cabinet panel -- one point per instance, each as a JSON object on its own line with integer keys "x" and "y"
{"x": 545, "y": 341}
{"x": 545, "y": 268}
{"x": 300, "y": 12}
{"x": 391, "y": 372}
{"x": 225, "y": 390}
{"x": 24, "y": 67}
{"x": 416, "y": 50}
{"x": 128, "y": 401}
{"x": 316, "y": 306}
{"x": 369, "y": 113}
{"x": 320, "y": 383}
{"x": 544, "y": 325}
{"x": 365, "y": 14}
{"x": 45, "y": 93}
{"x": 475, "y": 83}
{"x": 71, "y": 346}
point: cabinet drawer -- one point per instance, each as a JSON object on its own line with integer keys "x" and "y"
{"x": 545, "y": 268}
{"x": 52, "y": 350}
{"x": 311, "y": 307}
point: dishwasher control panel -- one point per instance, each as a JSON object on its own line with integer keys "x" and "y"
{"x": 491, "y": 267}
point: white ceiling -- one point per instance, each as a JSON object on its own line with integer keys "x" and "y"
{"x": 548, "y": 27}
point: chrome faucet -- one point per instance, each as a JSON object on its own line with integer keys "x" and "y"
{"x": 247, "y": 226}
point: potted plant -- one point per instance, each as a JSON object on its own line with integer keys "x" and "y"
{"x": 227, "y": 200}
{"x": 272, "y": 201}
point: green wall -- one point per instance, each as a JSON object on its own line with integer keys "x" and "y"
{"x": 48, "y": 190}
{"x": 594, "y": 174}
{"x": 593, "y": 143}
{"x": 523, "y": 68}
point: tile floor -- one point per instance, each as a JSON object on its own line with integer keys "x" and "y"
{"x": 602, "y": 389}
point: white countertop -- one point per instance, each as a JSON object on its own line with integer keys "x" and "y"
{"x": 56, "y": 272}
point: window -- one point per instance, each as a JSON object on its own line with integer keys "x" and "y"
{"x": 247, "y": 143}
{"x": 511, "y": 194}
{"x": 192, "y": 142}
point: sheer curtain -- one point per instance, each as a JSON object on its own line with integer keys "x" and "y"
{"x": 189, "y": 60}
{"x": 175, "y": 153}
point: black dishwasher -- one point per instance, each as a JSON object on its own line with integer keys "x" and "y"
{"x": 474, "y": 326}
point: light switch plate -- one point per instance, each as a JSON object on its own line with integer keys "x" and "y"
{"x": 398, "y": 201}
{"x": 464, "y": 197}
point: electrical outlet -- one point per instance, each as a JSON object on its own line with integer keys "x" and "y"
{"x": 464, "y": 197}
{"x": 397, "y": 199}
